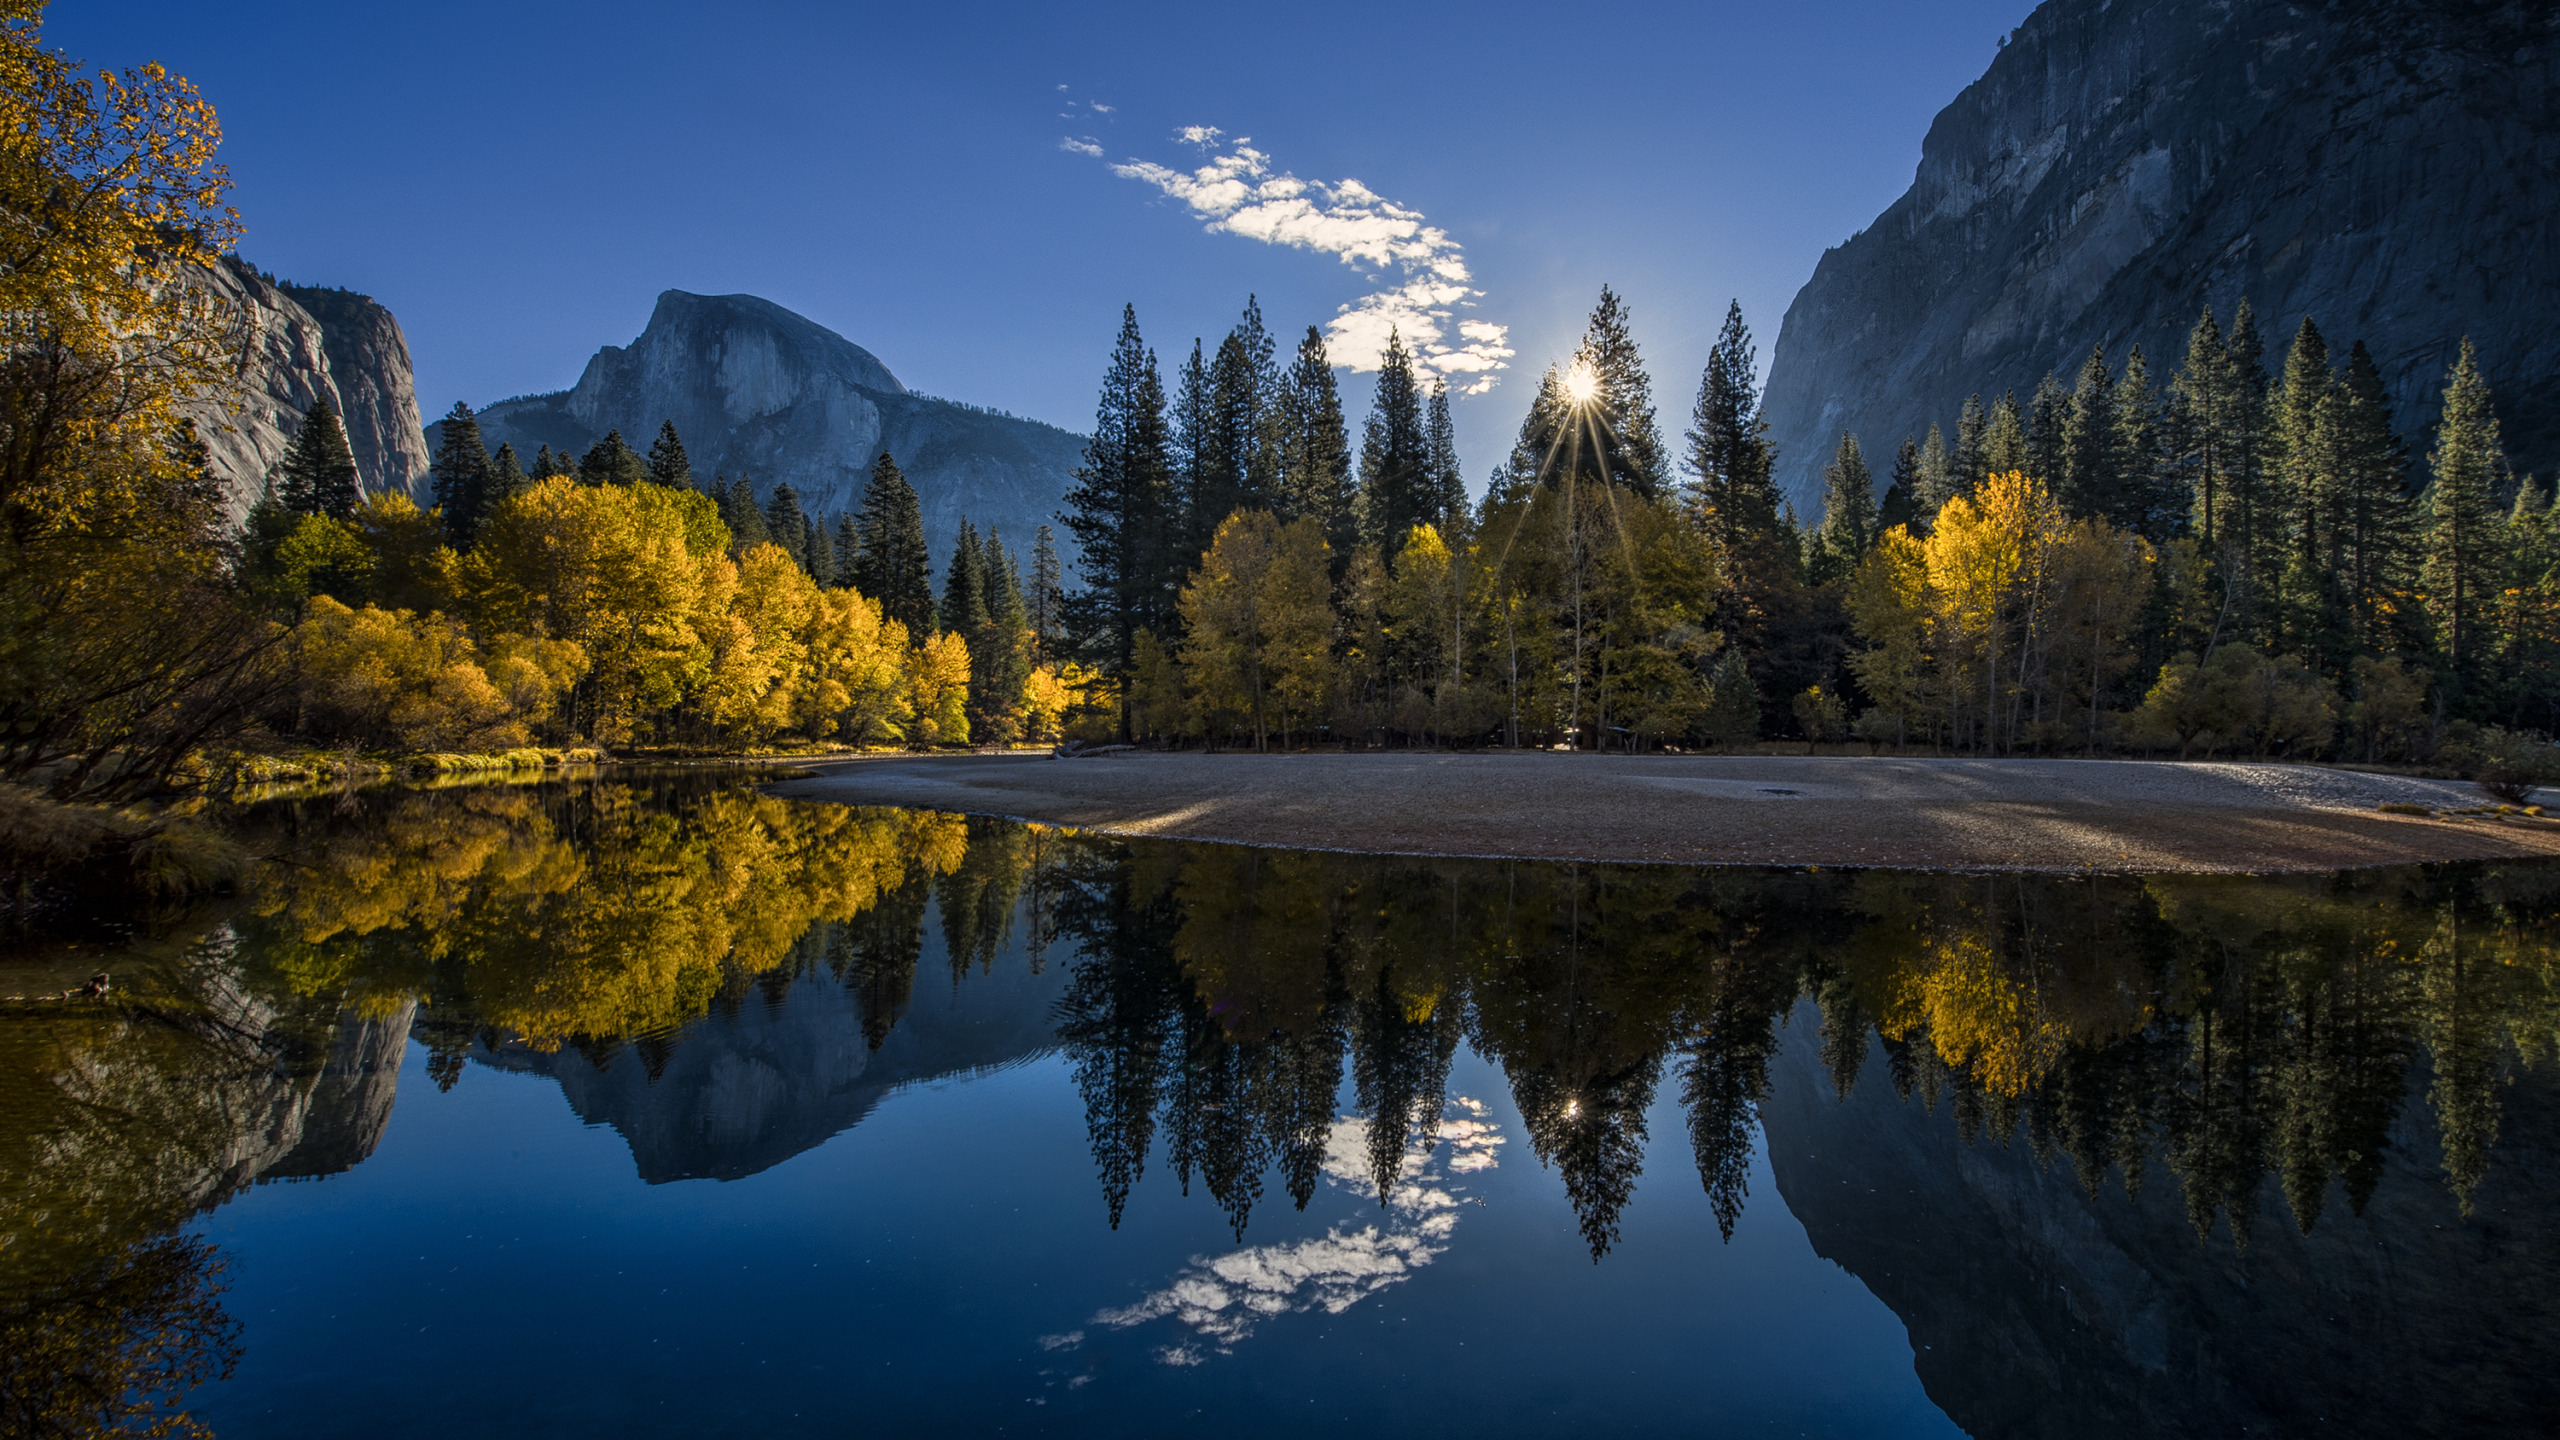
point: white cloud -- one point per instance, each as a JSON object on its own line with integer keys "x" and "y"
{"x": 1236, "y": 191}
{"x": 1080, "y": 147}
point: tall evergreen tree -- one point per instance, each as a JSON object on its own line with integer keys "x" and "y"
{"x": 612, "y": 461}
{"x": 1448, "y": 481}
{"x": 1001, "y": 667}
{"x": 786, "y": 524}
{"x": 2463, "y": 530}
{"x": 1729, "y": 450}
{"x": 1231, "y": 465}
{"x": 1121, "y": 510}
{"x": 1940, "y": 473}
{"x": 1315, "y": 451}
{"x": 848, "y": 550}
{"x": 964, "y": 586}
{"x": 1043, "y": 592}
{"x": 2148, "y": 499}
{"x": 2004, "y": 440}
{"x": 1848, "y": 512}
{"x": 2092, "y": 480}
{"x": 1629, "y": 434}
{"x": 1972, "y": 452}
{"x": 1194, "y": 447}
{"x": 738, "y": 511}
{"x": 1396, "y": 489}
{"x": 506, "y": 479}
{"x": 818, "y": 551}
{"x": 2374, "y": 522}
{"x": 668, "y": 464}
{"x": 1900, "y": 505}
{"x": 895, "y": 568}
{"x": 2047, "y": 414}
{"x": 2309, "y": 613}
{"x": 461, "y": 473}
{"x": 319, "y": 471}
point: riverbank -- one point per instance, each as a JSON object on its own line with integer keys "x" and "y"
{"x": 2035, "y": 815}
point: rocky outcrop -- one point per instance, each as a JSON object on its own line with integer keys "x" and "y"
{"x": 2382, "y": 166}
{"x": 2036, "y": 1309}
{"x": 297, "y": 344}
{"x": 760, "y": 392}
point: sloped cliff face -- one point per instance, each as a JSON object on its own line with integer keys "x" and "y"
{"x": 758, "y": 391}
{"x": 2038, "y": 1310}
{"x": 298, "y": 344}
{"x": 2382, "y": 165}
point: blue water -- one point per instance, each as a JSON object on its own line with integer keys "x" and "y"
{"x": 497, "y": 1266}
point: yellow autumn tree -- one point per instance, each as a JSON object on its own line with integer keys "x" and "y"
{"x": 938, "y": 690}
{"x": 1260, "y": 622}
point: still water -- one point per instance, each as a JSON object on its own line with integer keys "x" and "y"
{"x": 658, "y": 1106}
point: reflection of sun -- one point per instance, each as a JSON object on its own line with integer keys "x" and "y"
{"x": 1581, "y": 383}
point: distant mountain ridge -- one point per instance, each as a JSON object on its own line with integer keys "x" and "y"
{"x": 2382, "y": 166}
{"x": 758, "y": 391}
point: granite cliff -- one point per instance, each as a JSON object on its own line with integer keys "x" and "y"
{"x": 760, "y": 392}
{"x": 2381, "y": 165}
{"x": 298, "y": 343}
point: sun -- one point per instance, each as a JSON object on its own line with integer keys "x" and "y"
{"x": 1580, "y": 384}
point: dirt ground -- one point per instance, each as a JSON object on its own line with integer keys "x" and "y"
{"x": 2046, "y": 815}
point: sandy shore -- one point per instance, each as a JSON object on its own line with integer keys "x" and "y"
{"x": 1760, "y": 810}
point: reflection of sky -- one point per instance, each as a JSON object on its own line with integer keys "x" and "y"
{"x": 1221, "y": 1299}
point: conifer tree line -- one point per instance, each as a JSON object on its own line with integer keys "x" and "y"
{"x": 2220, "y": 560}
{"x": 622, "y": 597}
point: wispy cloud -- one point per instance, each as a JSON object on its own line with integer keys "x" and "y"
{"x": 1237, "y": 191}
{"x": 1085, "y": 146}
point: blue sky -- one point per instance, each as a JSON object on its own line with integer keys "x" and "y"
{"x": 518, "y": 182}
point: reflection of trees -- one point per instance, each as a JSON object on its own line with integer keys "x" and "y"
{"x": 2233, "y": 1030}
{"x": 115, "y": 1346}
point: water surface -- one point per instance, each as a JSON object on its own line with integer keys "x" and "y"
{"x": 655, "y": 1105}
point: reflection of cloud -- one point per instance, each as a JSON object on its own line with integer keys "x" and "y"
{"x": 1222, "y": 1298}
{"x": 1236, "y": 191}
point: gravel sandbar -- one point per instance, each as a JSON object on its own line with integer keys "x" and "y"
{"x": 2044, "y": 815}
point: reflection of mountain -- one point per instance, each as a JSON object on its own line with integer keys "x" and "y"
{"x": 749, "y": 1086}
{"x": 2037, "y": 1311}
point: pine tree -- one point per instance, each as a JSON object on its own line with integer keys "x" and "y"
{"x": 2047, "y": 415}
{"x": 2260, "y": 540}
{"x": 895, "y": 568}
{"x": 848, "y": 550}
{"x": 786, "y": 525}
{"x": 1396, "y": 489}
{"x": 1448, "y": 481}
{"x": 506, "y": 479}
{"x": 1973, "y": 452}
{"x": 319, "y": 471}
{"x": 1939, "y": 471}
{"x": 1042, "y": 595}
{"x": 546, "y": 464}
{"x": 2309, "y": 609}
{"x": 2092, "y": 481}
{"x": 1630, "y": 436}
{"x": 1194, "y": 421}
{"x": 2148, "y": 500}
{"x": 1000, "y": 668}
{"x": 611, "y": 461}
{"x": 964, "y": 586}
{"x": 668, "y": 464}
{"x": 818, "y": 550}
{"x": 2463, "y": 533}
{"x": 2004, "y": 440}
{"x": 738, "y": 511}
{"x": 2370, "y": 504}
{"x": 1315, "y": 451}
{"x": 1900, "y": 505}
{"x": 461, "y": 473}
{"x": 1729, "y": 450}
{"x": 1848, "y": 512}
{"x": 1121, "y": 510}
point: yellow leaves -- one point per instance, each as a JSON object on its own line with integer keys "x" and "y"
{"x": 390, "y": 677}
{"x": 938, "y": 686}
{"x": 1260, "y": 615}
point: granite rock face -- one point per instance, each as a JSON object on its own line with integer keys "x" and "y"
{"x": 298, "y": 344}
{"x": 758, "y": 391}
{"x": 2381, "y": 165}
